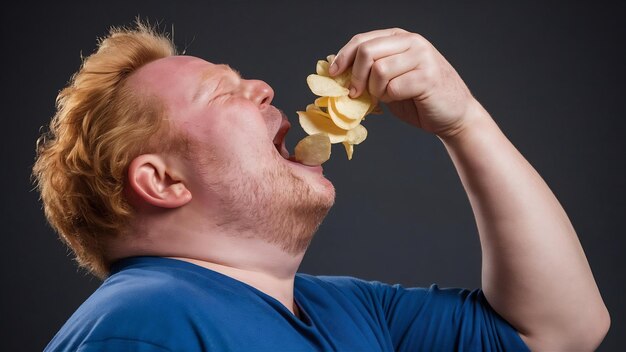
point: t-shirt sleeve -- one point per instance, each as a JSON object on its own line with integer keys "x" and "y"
{"x": 451, "y": 319}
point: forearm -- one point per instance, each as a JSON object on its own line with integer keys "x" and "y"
{"x": 534, "y": 271}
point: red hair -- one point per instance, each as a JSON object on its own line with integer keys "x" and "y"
{"x": 99, "y": 127}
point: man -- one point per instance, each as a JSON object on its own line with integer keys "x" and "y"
{"x": 167, "y": 175}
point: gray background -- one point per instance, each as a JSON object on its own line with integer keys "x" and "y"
{"x": 551, "y": 74}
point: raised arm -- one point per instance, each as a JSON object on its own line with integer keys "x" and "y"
{"x": 534, "y": 271}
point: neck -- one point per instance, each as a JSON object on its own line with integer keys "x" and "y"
{"x": 272, "y": 283}
{"x": 242, "y": 256}
{"x": 259, "y": 264}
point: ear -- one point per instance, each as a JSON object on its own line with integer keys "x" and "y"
{"x": 152, "y": 182}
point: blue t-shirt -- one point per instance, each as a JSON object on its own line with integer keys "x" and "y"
{"x": 162, "y": 304}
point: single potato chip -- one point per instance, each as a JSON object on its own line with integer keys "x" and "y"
{"x": 325, "y": 86}
{"x": 313, "y": 150}
{"x": 322, "y": 68}
{"x": 344, "y": 78}
{"x": 349, "y": 149}
{"x": 322, "y": 102}
{"x": 313, "y": 107}
{"x": 354, "y": 109}
{"x": 356, "y": 135}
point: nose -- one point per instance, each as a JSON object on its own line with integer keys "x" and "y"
{"x": 257, "y": 91}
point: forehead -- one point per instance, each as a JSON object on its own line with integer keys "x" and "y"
{"x": 177, "y": 74}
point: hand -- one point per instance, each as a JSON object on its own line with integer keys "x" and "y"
{"x": 405, "y": 71}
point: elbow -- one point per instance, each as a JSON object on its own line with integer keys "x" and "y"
{"x": 591, "y": 333}
{"x": 601, "y": 328}
{"x": 586, "y": 334}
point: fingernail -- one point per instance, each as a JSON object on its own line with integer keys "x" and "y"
{"x": 333, "y": 68}
{"x": 352, "y": 92}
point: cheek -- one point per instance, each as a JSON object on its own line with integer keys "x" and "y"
{"x": 233, "y": 132}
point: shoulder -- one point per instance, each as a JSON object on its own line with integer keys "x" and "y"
{"x": 354, "y": 289}
{"x": 140, "y": 292}
{"x": 164, "y": 289}
{"x": 387, "y": 296}
{"x": 137, "y": 306}
{"x": 134, "y": 296}
{"x": 358, "y": 286}
{"x": 159, "y": 286}
{"x": 341, "y": 283}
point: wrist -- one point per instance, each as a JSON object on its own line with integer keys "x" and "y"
{"x": 475, "y": 119}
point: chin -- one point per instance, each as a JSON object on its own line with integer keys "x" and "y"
{"x": 327, "y": 191}
{"x": 319, "y": 185}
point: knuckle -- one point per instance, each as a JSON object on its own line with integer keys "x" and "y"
{"x": 357, "y": 38}
{"x": 429, "y": 76}
{"x": 417, "y": 40}
{"x": 364, "y": 53}
{"x": 398, "y": 30}
{"x": 374, "y": 88}
{"x": 379, "y": 69}
{"x": 393, "y": 89}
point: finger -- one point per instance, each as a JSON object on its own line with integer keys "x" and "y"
{"x": 366, "y": 55}
{"x": 412, "y": 84}
{"x": 345, "y": 55}
{"x": 387, "y": 68}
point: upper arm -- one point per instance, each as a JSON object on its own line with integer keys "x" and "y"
{"x": 454, "y": 319}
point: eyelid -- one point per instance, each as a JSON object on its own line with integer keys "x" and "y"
{"x": 232, "y": 80}
{"x": 217, "y": 89}
{"x": 227, "y": 84}
{"x": 219, "y": 97}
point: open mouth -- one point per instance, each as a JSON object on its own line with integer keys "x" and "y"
{"x": 279, "y": 139}
{"x": 279, "y": 142}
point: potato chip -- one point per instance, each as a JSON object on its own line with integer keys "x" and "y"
{"x": 344, "y": 78}
{"x": 313, "y": 107}
{"x": 313, "y": 122}
{"x": 333, "y": 114}
{"x": 340, "y": 120}
{"x": 313, "y": 150}
{"x": 349, "y": 149}
{"x": 322, "y": 102}
{"x": 320, "y": 110}
{"x": 356, "y": 135}
{"x": 354, "y": 109}
{"x": 325, "y": 86}
{"x": 322, "y": 68}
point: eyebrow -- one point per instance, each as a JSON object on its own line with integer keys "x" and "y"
{"x": 237, "y": 73}
{"x": 206, "y": 76}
